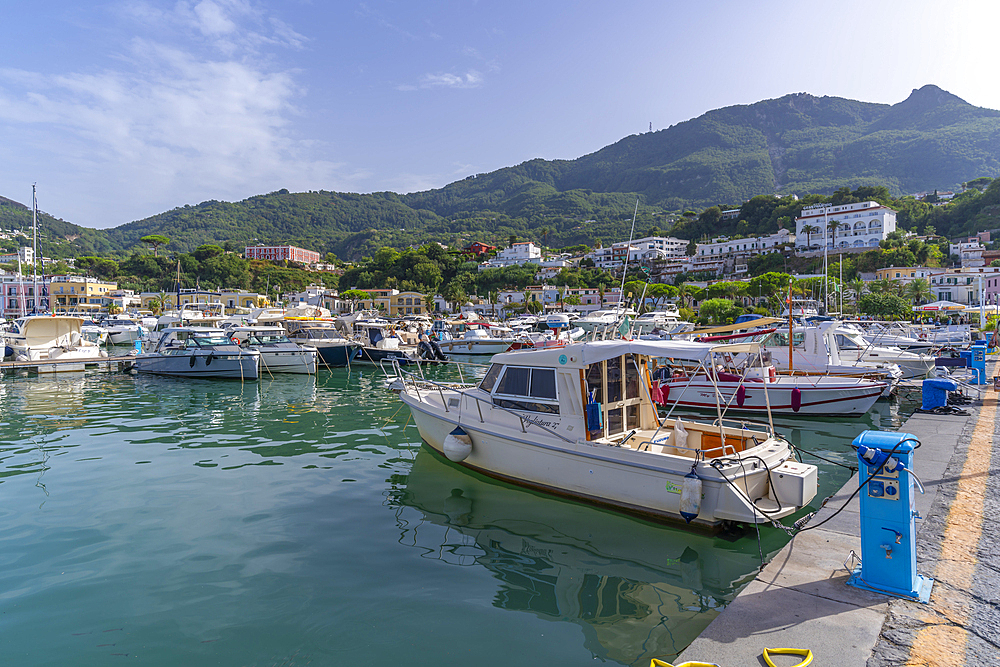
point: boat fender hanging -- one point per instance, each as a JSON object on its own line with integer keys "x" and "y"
{"x": 796, "y": 399}
{"x": 457, "y": 445}
{"x": 691, "y": 496}
{"x": 191, "y": 361}
{"x": 741, "y": 395}
{"x": 208, "y": 359}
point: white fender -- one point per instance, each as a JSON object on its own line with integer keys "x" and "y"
{"x": 457, "y": 445}
{"x": 690, "y": 496}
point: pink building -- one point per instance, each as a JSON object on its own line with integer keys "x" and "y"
{"x": 276, "y": 253}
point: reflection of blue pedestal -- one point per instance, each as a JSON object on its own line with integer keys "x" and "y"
{"x": 888, "y": 536}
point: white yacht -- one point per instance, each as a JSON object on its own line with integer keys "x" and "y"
{"x": 123, "y": 329}
{"x": 815, "y": 351}
{"x": 198, "y": 352}
{"x": 853, "y": 347}
{"x": 579, "y": 420}
{"x": 278, "y": 354}
{"x": 602, "y": 319}
{"x": 51, "y": 338}
{"x": 664, "y": 320}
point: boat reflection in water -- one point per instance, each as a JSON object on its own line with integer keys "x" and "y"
{"x": 637, "y": 590}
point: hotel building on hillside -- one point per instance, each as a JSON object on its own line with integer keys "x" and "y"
{"x": 277, "y": 253}
{"x": 862, "y": 225}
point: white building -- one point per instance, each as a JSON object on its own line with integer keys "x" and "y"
{"x": 963, "y": 285}
{"x": 730, "y": 248}
{"x": 641, "y": 250}
{"x": 24, "y": 253}
{"x": 861, "y": 225}
{"x": 519, "y": 253}
{"x": 970, "y": 252}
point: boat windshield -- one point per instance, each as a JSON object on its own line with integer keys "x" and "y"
{"x": 207, "y": 340}
{"x": 269, "y": 338}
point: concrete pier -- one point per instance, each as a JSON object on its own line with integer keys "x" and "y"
{"x": 801, "y": 600}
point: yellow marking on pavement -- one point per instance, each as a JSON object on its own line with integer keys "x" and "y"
{"x": 942, "y": 641}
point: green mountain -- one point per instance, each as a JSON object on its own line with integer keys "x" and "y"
{"x": 798, "y": 144}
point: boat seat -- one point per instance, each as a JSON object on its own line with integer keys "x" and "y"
{"x": 711, "y": 445}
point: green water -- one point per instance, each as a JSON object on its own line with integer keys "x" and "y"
{"x": 297, "y": 521}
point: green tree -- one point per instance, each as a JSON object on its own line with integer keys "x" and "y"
{"x": 809, "y": 230}
{"x": 355, "y": 296}
{"x": 719, "y": 311}
{"x": 155, "y": 240}
{"x": 918, "y": 291}
{"x": 884, "y": 306}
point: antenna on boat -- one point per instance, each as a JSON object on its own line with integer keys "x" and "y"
{"x": 621, "y": 291}
{"x": 34, "y": 250}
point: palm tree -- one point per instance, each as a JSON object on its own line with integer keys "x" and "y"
{"x": 810, "y": 230}
{"x": 918, "y": 291}
{"x": 832, "y": 228}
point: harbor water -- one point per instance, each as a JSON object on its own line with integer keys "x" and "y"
{"x": 298, "y": 521}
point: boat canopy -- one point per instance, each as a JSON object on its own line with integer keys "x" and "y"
{"x": 748, "y": 324}
{"x": 581, "y": 355}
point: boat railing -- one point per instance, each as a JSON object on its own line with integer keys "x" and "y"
{"x": 411, "y": 379}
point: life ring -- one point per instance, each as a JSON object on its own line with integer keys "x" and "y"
{"x": 236, "y": 341}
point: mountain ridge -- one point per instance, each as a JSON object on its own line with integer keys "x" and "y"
{"x": 797, "y": 144}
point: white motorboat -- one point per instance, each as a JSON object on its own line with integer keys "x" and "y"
{"x": 480, "y": 341}
{"x": 333, "y": 348}
{"x": 198, "y": 352}
{"x": 896, "y": 334}
{"x": 94, "y": 332}
{"x": 579, "y": 420}
{"x": 853, "y": 347}
{"x": 51, "y": 338}
{"x": 761, "y": 390}
{"x": 380, "y": 342}
{"x": 278, "y": 354}
{"x": 603, "y": 319}
{"x": 665, "y": 319}
{"x": 123, "y": 329}
{"x": 815, "y": 351}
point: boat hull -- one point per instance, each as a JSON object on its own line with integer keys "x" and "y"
{"x": 822, "y": 396}
{"x": 241, "y": 366}
{"x": 292, "y": 361}
{"x": 489, "y": 347}
{"x": 338, "y": 354}
{"x": 637, "y": 482}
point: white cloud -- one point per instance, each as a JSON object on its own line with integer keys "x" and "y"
{"x": 169, "y": 126}
{"x": 471, "y": 79}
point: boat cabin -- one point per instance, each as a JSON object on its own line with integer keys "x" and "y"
{"x": 604, "y": 389}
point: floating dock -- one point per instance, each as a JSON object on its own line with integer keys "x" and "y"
{"x": 119, "y": 364}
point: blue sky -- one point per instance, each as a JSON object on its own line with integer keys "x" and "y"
{"x": 122, "y": 109}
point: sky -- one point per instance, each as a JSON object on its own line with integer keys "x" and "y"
{"x": 122, "y": 109}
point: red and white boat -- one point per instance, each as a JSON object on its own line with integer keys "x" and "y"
{"x": 761, "y": 387}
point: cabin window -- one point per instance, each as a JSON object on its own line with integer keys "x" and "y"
{"x": 491, "y": 378}
{"x": 524, "y": 386}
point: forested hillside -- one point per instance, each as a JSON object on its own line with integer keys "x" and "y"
{"x": 759, "y": 155}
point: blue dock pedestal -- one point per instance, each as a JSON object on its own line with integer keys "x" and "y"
{"x": 935, "y": 392}
{"x": 978, "y": 361}
{"x": 888, "y": 536}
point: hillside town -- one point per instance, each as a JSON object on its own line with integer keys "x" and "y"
{"x": 968, "y": 274}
